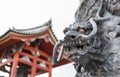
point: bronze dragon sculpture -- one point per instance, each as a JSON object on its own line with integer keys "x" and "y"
{"x": 93, "y": 40}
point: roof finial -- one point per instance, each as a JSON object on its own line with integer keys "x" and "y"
{"x": 49, "y": 22}
{"x": 13, "y": 27}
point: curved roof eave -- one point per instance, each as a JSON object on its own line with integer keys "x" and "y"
{"x": 34, "y": 30}
{"x": 30, "y": 31}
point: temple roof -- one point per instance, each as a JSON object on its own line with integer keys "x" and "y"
{"x": 29, "y": 32}
{"x": 34, "y": 30}
{"x": 29, "y": 36}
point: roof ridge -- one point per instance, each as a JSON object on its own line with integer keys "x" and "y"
{"x": 34, "y": 30}
{"x": 48, "y": 23}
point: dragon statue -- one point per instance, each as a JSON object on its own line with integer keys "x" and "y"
{"x": 92, "y": 42}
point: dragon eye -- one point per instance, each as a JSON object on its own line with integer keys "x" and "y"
{"x": 66, "y": 30}
{"x": 81, "y": 30}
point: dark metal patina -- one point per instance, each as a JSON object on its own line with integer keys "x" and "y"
{"x": 93, "y": 40}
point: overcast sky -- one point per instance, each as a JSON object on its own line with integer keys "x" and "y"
{"x": 22, "y": 14}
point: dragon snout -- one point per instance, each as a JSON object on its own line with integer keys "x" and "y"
{"x": 70, "y": 37}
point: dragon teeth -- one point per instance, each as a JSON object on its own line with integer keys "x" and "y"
{"x": 73, "y": 42}
{"x": 65, "y": 44}
{"x": 70, "y": 42}
{"x": 88, "y": 41}
{"x": 79, "y": 48}
{"x": 79, "y": 42}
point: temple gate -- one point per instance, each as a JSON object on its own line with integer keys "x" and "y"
{"x": 28, "y": 52}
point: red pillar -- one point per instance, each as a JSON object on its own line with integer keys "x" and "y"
{"x": 33, "y": 72}
{"x": 50, "y": 71}
{"x": 14, "y": 64}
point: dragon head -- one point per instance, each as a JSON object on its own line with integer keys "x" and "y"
{"x": 92, "y": 42}
{"x": 77, "y": 36}
{"x": 76, "y": 42}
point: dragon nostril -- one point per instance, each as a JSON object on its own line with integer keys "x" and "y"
{"x": 70, "y": 37}
{"x": 73, "y": 36}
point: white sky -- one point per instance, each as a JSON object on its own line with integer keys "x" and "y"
{"x": 23, "y": 14}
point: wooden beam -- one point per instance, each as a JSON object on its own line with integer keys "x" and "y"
{"x": 50, "y": 71}
{"x": 4, "y": 40}
{"x": 25, "y": 62}
{"x": 34, "y": 63}
{"x": 27, "y": 37}
{"x": 11, "y": 54}
{"x": 26, "y": 54}
{"x": 43, "y": 68}
{"x": 5, "y": 63}
{"x": 40, "y": 51}
{"x": 5, "y": 44}
{"x": 33, "y": 57}
{"x": 34, "y": 69}
{"x": 14, "y": 65}
{"x": 41, "y": 60}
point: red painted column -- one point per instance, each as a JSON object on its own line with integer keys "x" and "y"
{"x": 14, "y": 64}
{"x": 50, "y": 71}
{"x": 33, "y": 72}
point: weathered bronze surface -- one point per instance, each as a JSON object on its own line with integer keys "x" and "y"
{"x": 93, "y": 40}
